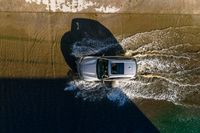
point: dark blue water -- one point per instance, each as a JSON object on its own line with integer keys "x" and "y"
{"x": 42, "y": 106}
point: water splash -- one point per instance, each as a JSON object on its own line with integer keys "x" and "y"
{"x": 168, "y": 67}
{"x": 95, "y": 47}
{"x": 96, "y": 91}
{"x": 117, "y": 96}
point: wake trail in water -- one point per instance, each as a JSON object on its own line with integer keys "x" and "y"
{"x": 168, "y": 66}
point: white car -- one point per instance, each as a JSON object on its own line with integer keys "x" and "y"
{"x": 106, "y": 68}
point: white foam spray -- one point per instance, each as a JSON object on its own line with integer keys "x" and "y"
{"x": 74, "y": 6}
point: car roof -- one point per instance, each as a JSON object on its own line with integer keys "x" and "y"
{"x": 124, "y": 67}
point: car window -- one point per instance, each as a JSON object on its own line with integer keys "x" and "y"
{"x": 102, "y": 68}
{"x": 117, "y": 68}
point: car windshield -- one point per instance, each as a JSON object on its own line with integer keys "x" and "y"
{"x": 102, "y": 68}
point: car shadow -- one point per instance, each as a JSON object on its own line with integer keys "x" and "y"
{"x": 88, "y": 37}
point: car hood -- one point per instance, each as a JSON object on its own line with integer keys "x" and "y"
{"x": 88, "y": 69}
{"x": 130, "y": 68}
